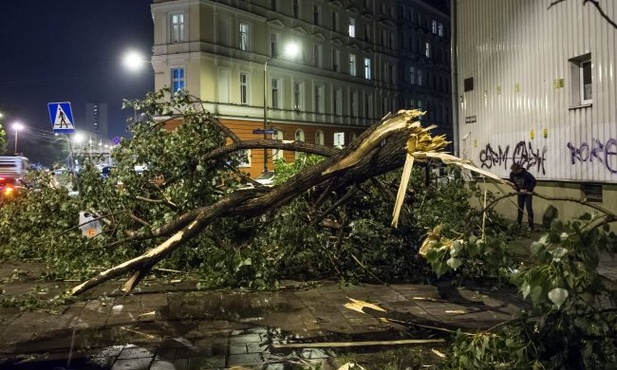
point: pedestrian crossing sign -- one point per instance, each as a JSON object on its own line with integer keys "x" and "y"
{"x": 61, "y": 117}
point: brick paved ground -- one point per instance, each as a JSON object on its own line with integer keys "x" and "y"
{"x": 171, "y": 326}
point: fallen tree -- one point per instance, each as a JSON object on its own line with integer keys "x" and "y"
{"x": 396, "y": 140}
{"x": 379, "y": 150}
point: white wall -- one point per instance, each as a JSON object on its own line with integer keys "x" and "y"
{"x": 518, "y": 52}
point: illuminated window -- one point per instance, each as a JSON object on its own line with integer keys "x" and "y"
{"x": 352, "y": 27}
{"x": 177, "y": 27}
{"x": 177, "y": 79}
{"x": 244, "y": 36}
{"x": 367, "y": 68}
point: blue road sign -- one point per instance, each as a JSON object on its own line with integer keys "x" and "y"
{"x": 261, "y": 132}
{"x": 61, "y": 117}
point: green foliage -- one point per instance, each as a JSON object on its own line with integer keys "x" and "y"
{"x": 572, "y": 323}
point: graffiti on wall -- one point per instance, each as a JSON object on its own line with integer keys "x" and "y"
{"x": 604, "y": 153}
{"x": 523, "y": 152}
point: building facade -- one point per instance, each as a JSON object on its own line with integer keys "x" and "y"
{"x": 537, "y": 85}
{"x": 357, "y": 60}
{"x": 97, "y": 119}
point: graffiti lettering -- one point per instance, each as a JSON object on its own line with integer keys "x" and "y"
{"x": 524, "y": 153}
{"x": 603, "y": 153}
{"x": 489, "y": 157}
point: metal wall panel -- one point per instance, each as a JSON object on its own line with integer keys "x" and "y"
{"x": 518, "y": 53}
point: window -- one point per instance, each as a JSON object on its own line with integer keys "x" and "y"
{"x": 419, "y": 78}
{"x": 177, "y": 27}
{"x": 298, "y": 96}
{"x": 276, "y": 93}
{"x": 580, "y": 69}
{"x": 434, "y": 27}
{"x": 244, "y": 88}
{"x": 336, "y": 60}
{"x": 334, "y": 21}
{"x": 352, "y": 27}
{"x": 177, "y": 79}
{"x": 440, "y": 29}
{"x": 427, "y": 49}
{"x": 592, "y": 192}
{"x": 299, "y": 136}
{"x": 275, "y": 41}
{"x": 277, "y": 153}
{"x": 339, "y": 140}
{"x": 319, "y": 138}
{"x": 224, "y": 31}
{"x": 317, "y": 55}
{"x": 244, "y": 158}
{"x": 367, "y": 106}
{"x": 352, "y": 65}
{"x": 412, "y": 75}
{"x": 296, "y": 8}
{"x": 353, "y": 104}
{"x": 316, "y": 14}
{"x": 367, "y": 68}
{"x": 274, "y": 5}
{"x": 244, "y": 36}
{"x": 367, "y": 32}
{"x": 338, "y": 102}
{"x": 319, "y": 99}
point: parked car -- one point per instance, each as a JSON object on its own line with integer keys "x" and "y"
{"x": 13, "y": 170}
{"x": 266, "y": 178}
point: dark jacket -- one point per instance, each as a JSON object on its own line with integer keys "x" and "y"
{"x": 523, "y": 181}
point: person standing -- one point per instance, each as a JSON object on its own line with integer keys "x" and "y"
{"x": 524, "y": 182}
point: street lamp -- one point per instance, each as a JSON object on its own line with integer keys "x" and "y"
{"x": 134, "y": 60}
{"x": 17, "y": 126}
{"x": 291, "y": 50}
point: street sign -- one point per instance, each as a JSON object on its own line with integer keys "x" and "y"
{"x": 261, "y": 131}
{"x": 61, "y": 117}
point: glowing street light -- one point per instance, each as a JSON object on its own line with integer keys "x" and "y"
{"x": 17, "y": 126}
{"x": 134, "y": 60}
{"x": 291, "y": 50}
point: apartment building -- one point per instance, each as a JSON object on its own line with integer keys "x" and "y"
{"x": 355, "y": 61}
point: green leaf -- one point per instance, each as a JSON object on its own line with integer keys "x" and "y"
{"x": 454, "y": 263}
{"x": 558, "y": 296}
{"x": 525, "y": 289}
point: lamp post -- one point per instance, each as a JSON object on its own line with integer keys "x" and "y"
{"x": 17, "y": 126}
{"x": 291, "y": 50}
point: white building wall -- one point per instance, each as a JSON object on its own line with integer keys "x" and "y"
{"x": 518, "y": 53}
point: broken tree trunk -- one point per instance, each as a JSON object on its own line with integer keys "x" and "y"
{"x": 378, "y": 150}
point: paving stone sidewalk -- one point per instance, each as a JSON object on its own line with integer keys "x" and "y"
{"x": 173, "y": 326}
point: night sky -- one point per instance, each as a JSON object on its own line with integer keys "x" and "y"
{"x": 69, "y": 50}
